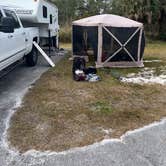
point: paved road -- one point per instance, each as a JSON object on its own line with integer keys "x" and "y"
{"x": 144, "y": 147}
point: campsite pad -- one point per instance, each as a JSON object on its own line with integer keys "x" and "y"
{"x": 58, "y": 113}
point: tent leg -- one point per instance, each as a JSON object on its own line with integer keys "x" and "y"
{"x": 72, "y": 41}
{"x": 57, "y": 41}
{"x": 100, "y": 45}
{"x": 139, "y": 45}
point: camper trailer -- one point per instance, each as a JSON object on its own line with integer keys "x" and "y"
{"x": 38, "y": 13}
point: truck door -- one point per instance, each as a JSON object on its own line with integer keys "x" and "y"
{"x": 6, "y": 47}
{"x": 19, "y": 35}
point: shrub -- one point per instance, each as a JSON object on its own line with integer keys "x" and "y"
{"x": 65, "y": 34}
{"x": 162, "y": 36}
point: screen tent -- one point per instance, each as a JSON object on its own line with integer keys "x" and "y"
{"x": 114, "y": 41}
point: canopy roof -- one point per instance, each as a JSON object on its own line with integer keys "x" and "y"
{"x": 107, "y": 20}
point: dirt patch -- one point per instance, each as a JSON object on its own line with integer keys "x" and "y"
{"x": 58, "y": 114}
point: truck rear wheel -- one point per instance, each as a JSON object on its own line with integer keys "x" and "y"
{"x": 32, "y": 57}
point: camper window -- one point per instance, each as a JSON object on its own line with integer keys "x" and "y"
{"x": 50, "y": 18}
{"x": 11, "y": 14}
{"x": 0, "y": 17}
{"x": 44, "y": 11}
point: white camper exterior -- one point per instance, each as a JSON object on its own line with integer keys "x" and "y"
{"x": 37, "y": 13}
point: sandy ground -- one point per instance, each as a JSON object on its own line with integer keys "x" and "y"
{"x": 148, "y": 75}
{"x": 143, "y": 147}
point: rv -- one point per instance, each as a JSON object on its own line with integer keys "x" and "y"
{"x": 38, "y": 13}
{"x": 22, "y": 24}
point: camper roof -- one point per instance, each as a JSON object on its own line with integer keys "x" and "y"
{"x": 8, "y": 7}
{"x": 23, "y": 4}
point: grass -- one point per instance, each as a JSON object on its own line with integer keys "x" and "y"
{"x": 66, "y": 46}
{"x": 101, "y": 107}
{"x": 58, "y": 114}
{"x": 156, "y": 50}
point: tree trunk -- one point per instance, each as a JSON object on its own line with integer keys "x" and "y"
{"x": 162, "y": 25}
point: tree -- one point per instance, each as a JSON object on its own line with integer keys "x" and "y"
{"x": 67, "y": 9}
{"x": 150, "y": 12}
{"x": 97, "y": 7}
{"x": 74, "y": 9}
{"x": 162, "y": 20}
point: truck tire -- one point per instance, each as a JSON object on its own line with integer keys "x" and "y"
{"x": 32, "y": 57}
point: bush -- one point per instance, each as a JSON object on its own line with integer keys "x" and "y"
{"x": 65, "y": 34}
{"x": 162, "y": 36}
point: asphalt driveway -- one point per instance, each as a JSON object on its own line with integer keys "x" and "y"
{"x": 143, "y": 147}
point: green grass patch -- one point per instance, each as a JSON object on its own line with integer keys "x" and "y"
{"x": 102, "y": 107}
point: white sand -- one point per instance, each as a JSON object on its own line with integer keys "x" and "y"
{"x": 146, "y": 76}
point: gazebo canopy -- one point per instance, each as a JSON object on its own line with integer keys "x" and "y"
{"x": 114, "y": 41}
{"x": 107, "y": 20}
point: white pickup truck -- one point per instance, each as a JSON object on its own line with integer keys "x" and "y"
{"x": 16, "y": 41}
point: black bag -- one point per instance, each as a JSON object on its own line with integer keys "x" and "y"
{"x": 78, "y": 64}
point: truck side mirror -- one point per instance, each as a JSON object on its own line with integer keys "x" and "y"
{"x": 7, "y": 25}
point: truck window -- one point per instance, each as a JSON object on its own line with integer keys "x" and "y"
{"x": 44, "y": 11}
{"x": 11, "y": 14}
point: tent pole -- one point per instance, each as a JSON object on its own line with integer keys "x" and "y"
{"x": 113, "y": 55}
{"x": 139, "y": 45}
{"x": 72, "y": 40}
{"x": 113, "y": 36}
{"x": 100, "y": 45}
{"x": 131, "y": 37}
{"x": 130, "y": 55}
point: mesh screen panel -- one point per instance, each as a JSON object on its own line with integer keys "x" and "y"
{"x": 110, "y": 45}
{"x": 84, "y": 39}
